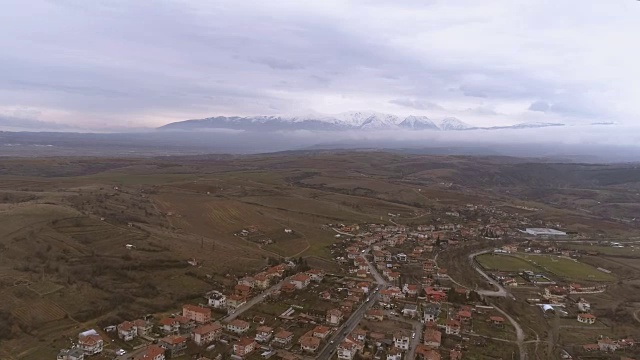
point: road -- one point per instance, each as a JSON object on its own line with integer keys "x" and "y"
{"x": 519, "y": 333}
{"x": 353, "y": 321}
{"x": 255, "y": 300}
{"x": 501, "y": 292}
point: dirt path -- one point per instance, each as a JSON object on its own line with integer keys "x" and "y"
{"x": 636, "y": 315}
{"x": 519, "y": 333}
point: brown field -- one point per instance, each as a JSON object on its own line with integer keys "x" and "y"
{"x": 64, "y": 224}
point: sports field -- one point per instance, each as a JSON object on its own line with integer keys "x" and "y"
{"x": 503, "y": 263}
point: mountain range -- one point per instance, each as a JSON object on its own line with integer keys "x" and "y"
{"x": 356, "y": 120}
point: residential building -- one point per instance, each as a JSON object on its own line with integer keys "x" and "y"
{"x": 584, "y": 306}
{"x": 127, "y": 331}
{"x": 143, "y": 327}
{"x": 347, "y": 350}
{"x": 464, "y": 316}
{"x": 244, "y": 346}
{"x": 282, "y": 338}
{"x": 90, "y": 342}
{"x": 152, "y": 352}
{"x": 316, "y": 275}
{"x": 394, "y": 354}
{"x": 606, "y": 344}
{"x": 374, "y": 314}
{"x": 217, "y": 300}
{"x": 238, "y": 326}
{"x": 175, "y": 345}
{"x": 169, "y": 325}
{"x": 430, "y": 312}
{"x": 321, "y": 332}
{"x": 206, "y": 334}
{"x": 432, "y": 337}
{"x": 410, "y": 310}
{"x": 334, "y": 317}
{"x": 497, "y": 321}
{"x": 452, "y": 327}
{"x": 242, "y": 290}
{"x": 309, "y": 344}
{"x": 235, "y": 301}
{"x": 587, "y": 318}
{"x": 300, "y": 281}
{"x": 264, "y": 334}
{"x": 198, "y": 314}
{"x": 401, "y": 340}
{"x": 71, "y": 354}
{"x": 262, "y": 281}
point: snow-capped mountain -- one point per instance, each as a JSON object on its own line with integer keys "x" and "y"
{"x": 452, "y": 123}
{"x": 355, "y": 120}
{"x": 418, "y": 123}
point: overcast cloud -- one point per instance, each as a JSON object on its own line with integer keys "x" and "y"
{"x": 122, "y": 63}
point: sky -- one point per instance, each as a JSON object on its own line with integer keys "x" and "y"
{"x": 123, "y": 64}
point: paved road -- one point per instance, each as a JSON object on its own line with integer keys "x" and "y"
{"x": 501, "y": 292}
{"x": 255, "y": 300}
{"x": 353, "y": 321}
{"x": 519, "y": 333}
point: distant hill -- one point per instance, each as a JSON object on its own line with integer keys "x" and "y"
{"x": 356, "y": 120}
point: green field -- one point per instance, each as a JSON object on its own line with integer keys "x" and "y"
{"x": 568, "y": 268}
{"x": 633, "y": 251}
{"x": 503, "y": 263}
{"x": 553, "y": 265}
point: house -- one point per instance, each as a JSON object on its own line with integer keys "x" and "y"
{"x": 394, "y": 354}
{"x": 455, "y": 354}
{"x": 316, "y": 275}
{"x": 607, "y": 344}
{"x": 334, "y": 317}
{"x": 432, "y": 338}
{"x": 497, "y": 321}
{"x": 198, "y": 314}
{"x": 244, "y": 346}
{"x": 235, "y": 301}
{"x": 410, "y": 289}
{"x": 584, "y": 306}
{"x": 435, "y": 295}
{"x": 261, "y": 281}
{"x": 151, "y": 352}
{"x": 205, "y": 334}
{"x": 428, "y": 354}
{"x": 402, "y": 257}
{"x": 359, "y": 335}
{"x": 217, "y": 300}
{"x": 300, "y": 281}
{"x": 247, "y": 281}
{"x": 264, "y": 334}
{"x": 186, "y": 324}
{"x": 401, "y": 340}
{"x": 321, "y": 332}
{"x": 362, "y": 273}
{"x": 169, "y": 325}
{"x": 347, "y": 350}
{"x": 90, "y": 342}
{"x": 127, "y": 331}
{"x": 143, "y": 327}
{"x": 238, "y": 326}
{"x": 242, "y": 290}
{"x": 464, "y": 316}
{"x": 309, "y": 344}
{"x": 587, "y": 318}
{"x": 175, "y": 345}
{"x": 374, "y": 314}
{"x": 452, "y": 327}
{"x": 410, "y": 310}
{"x": 282, "y": 338}
{"x": 430, "y": 312}
{"x": 71, "y": 354}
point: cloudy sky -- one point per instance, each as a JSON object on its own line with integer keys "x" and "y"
{"x": 121, "y": 63}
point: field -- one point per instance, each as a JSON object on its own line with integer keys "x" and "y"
{"x": 556, "y": 266}
{"x": 504, "y": 263}
{"x": 568, "y": 268}
{"x": 65, "y": 224}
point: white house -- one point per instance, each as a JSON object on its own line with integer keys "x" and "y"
{"x": 217, "y": 300}
{"x": 401, "y": 340}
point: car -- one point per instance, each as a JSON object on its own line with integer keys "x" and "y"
{"x": 121, "y": 352}
{"x": 332, "y": 341}
{"x": 368, "y": 299}
{"x": 413, "y": 335}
